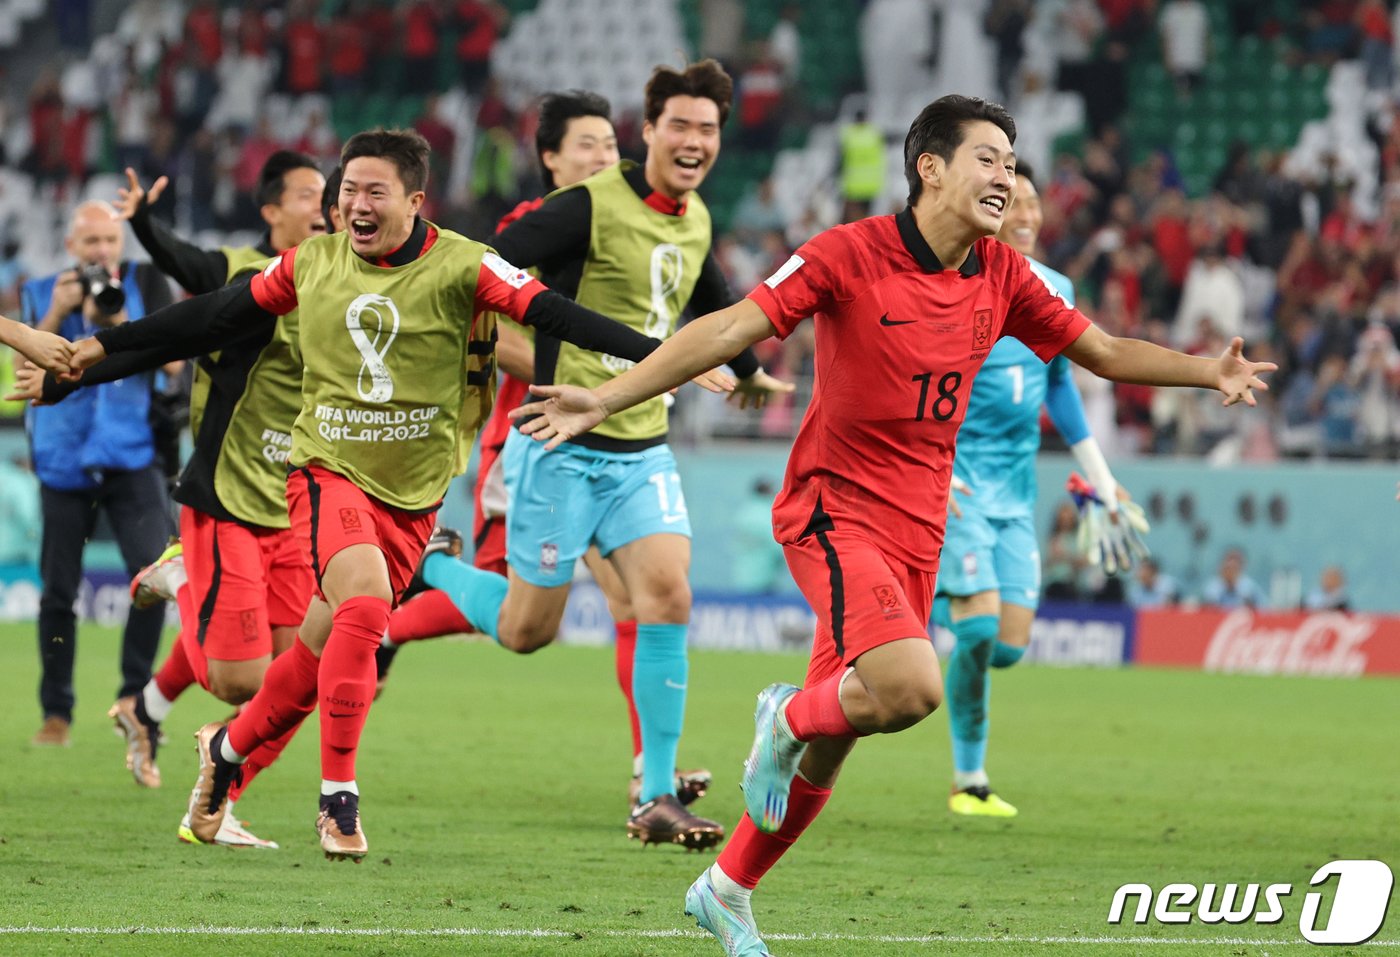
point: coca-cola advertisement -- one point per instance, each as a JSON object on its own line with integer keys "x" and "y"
{"x": 1329, "y": 643}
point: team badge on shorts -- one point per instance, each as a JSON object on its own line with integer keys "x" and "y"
{"x": 350, "y": 519}
{"x": 549, "y": 557}
{"x": 981, "y": 329}
{"x": 248, "y": 621}
{"x": 969, "y": 563}
{"x": 889, "y": 601}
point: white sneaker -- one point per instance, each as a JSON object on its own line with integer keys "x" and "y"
{"x": 232, "y": 833}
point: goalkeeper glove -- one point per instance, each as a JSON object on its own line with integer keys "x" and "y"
{"x": 1108, "y": 539}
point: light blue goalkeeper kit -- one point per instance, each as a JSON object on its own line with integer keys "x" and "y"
{"x": 993, "y": 547}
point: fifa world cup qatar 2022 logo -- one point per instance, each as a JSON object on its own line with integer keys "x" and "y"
{"x": 373, "y": 319}
{"x": 1360, "y": 898}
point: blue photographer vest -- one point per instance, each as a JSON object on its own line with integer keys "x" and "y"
{"x": 105, "y": 427}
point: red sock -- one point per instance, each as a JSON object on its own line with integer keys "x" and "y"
{"x": 623, "y": 653}
{"x": 428, "y": 614}
{"x": 265, "y": 754}
{"x": 750, "y": 853}
{"x": 287, "y": 695}
{"x": 176, "y": 674}
{"x": 345, "y": 686}
{"x": 815, "y": 712}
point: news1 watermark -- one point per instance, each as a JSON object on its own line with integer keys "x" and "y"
{"x": 1359, "y": 892}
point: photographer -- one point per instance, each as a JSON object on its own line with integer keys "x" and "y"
{"x": 96, "y": 450}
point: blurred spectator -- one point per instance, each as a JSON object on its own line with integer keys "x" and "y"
{"x": 1185, "y": 28}
{"x": 480, "y": 23}
{"x": 1062, "y": 564}
{"x": 73, "y": 18}
{"x": 1230, "y": 587}
{"x": 722, "y": 31}
{"x": 304, "y": 49}
{"x": 1214, "y": 293}
{"x": 1330, "y": 593}
{"x": 422, "y": 24}
{"x": 444, "y": 144}
{"x": 1152, "y": 587}
{"x": 785, "y": 43}
{"x": 759, "y": 92}
{"x": 1334, "y": 405}
{"x": 758, "y": 212}
{"x": 349, "y": 40}
{"x": 1377, "y": 43}
{"x": 1005, "y": 23}
{"x": 204, "y": 31}
{"x": 1375, "y": 375}
{"x": 862, "y": 166}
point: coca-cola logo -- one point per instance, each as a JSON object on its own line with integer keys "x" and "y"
{"x": 1327, "y": 643}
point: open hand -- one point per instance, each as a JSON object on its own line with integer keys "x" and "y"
{"x": 1239, "y": 377}
{"x": 29, "y": 384}
{"x": 129, "y": 198}
{"x": 564, "y": 412}
{"x": 716, "y": 380}
{"x": 755, "y": 391}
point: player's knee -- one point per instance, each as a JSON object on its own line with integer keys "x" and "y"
{"x": 235, "y": 690}
{"x": 910, "y": 703}
{"x": 666, "y": 601}
{"x": 525, "y": 638}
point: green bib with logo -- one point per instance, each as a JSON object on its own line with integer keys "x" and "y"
{"x": 251, "y": 475}
{"x": 239, "y": 259}
{"x": 641, "y": 268}
{"x": 395, "y": 379}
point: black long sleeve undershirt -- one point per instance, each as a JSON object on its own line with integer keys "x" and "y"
{"x": 231, "y": 314}
{"x": 555, "y": 239}
{"x": 196, "y": 270}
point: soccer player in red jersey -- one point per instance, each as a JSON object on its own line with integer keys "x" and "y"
{"x": 906, "y": 308}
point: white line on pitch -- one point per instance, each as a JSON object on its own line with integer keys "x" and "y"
{"x": 202, "y": 929}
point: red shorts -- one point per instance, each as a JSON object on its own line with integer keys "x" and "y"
{"x": 329, "y": 512}
{"x": 244, "y": 581}
{"x": 490, "y": 554}
{"x": 489, "y": 492}
{"x": 862, "y": 597}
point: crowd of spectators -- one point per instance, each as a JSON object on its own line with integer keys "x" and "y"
{"x": 1289, "y": 260}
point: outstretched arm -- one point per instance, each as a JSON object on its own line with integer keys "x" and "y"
{"x": 44, "y": 349}
{"x": 1143, "y": 363}
{"x": 191, "y": 327}
{"x": 703, "y": 344}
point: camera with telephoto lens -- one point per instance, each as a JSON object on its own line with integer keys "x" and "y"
{"x": 104, "y": 288}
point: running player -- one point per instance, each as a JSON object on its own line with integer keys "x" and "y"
{"x": 907, "y": 308}
{"x": 238, "y": 576}
{"x": 573, "y": 141}
{"x": 990, "y": 585}
{"x": 636, "y": 242}
{"x": 392, "y": 310}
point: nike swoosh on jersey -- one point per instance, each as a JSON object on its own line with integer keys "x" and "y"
{"x": 885, "y": 320}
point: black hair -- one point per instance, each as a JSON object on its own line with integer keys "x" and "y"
{"x": 940, "y": 127}
{"x": 556, "y": 110}
{"x": 330, "y": 197}
{"x": 272, "y": 180}
{"x": 1027, "y": 172}
{"x": 406, "y": 149}
{"x": 703, "y": 80}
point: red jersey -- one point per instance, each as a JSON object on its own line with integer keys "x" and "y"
{"x": 898, "y": 340}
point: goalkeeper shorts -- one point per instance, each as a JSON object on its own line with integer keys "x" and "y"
{"x": 990, "y": 554}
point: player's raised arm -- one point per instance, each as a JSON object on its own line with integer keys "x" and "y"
{"x": 196, "y": 270}
{"x": 703, "y": 344}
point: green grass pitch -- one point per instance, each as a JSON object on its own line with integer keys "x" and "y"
{"x": 494, "y": 800}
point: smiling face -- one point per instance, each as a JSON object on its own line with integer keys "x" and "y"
{"x": 682, "y": 145}
{"x": 1020, "y": 226}
{"x": 376, "y": 208}
{"x": 978, "y": 184}
{"x": 297, "y": 214}
{"x": 589, "y": 146}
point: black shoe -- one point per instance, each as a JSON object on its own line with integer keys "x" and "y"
{"x": 447, "y": 541}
